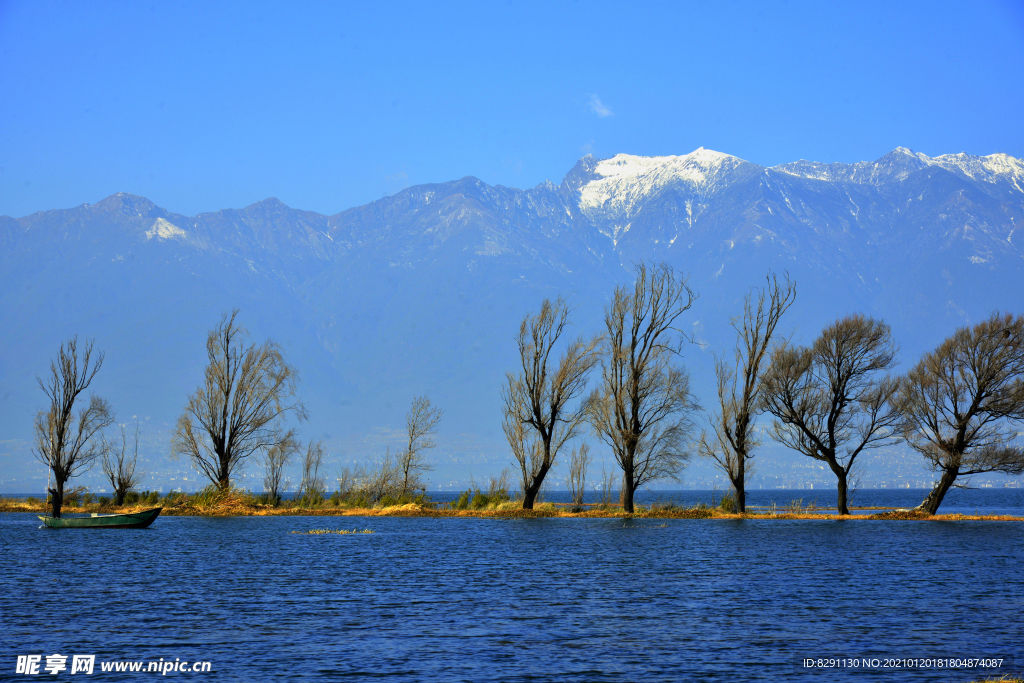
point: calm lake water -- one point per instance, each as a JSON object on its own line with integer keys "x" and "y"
{"x": 514, "y": 600}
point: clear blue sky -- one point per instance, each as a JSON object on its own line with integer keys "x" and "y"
{"x": 201, "y": 106}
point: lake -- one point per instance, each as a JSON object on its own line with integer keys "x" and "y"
{"x": 466, "y": 599}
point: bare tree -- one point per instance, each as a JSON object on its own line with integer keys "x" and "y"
{"x": 538, "y": 419}
{"x": 734, "y": 437}
{"x": 420, "y": 424}
{"x": 65, "y": 445}
{"x": 383, "y": 478}
{"x": 606, "y": 486}
{"x": 576, "y": 482}
{"x": 829, "y": 401}
{"x": 121, "y": 468}
{"x": 312, "y": 487}
{"x": 643, "y": 407}
{"x": 240, "y": 408}
{"x": 275, "y": 459}
{"x": 963, "y": 401}
{"x": 350, "y": 480}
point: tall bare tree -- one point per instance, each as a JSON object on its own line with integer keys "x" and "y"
{"x": 734, "y": 438}
{"x": 312, "y": 487}
{"x": 643, "y": 407}
{"x": 963, "y": 403}
{"x": 420, "y": 424}
{"x": 538, "y": 418}
{"x": 121, "y": 467}
{"x": 240, "y": 408}
{"x": 275, "y": 459}
{"x": 66, "y": 445}
{"x": 576, "y": 482}
{"x": 831, "y": 401}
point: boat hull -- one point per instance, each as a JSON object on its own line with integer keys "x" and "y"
{"x": 132, "y": 520}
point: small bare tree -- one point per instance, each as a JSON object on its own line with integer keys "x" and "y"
{"x": 828, "y": 400}
{"x": 121, "y": 468}
{"x": 312, "y": 486}
{"x": 643, "y": 407}
{"x": 65, "y": 445}
{"x": 420, "y": 424}
{"x": 240, "y": 408}
{"x": 963, "y": 401}
{"x": 351, "y": 481}
{"x": 734, "y": 437}
{"x": 605, "y": 486}
{"x": 275, "y": 459}
{"x": 576, "y": 482}
{"x": 383, "y": 478}
{"x": 538, "y": 419}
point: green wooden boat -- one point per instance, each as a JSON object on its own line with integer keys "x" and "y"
{"x": 131, "y": 520}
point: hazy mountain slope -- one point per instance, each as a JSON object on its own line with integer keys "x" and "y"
{"x": 422, "y": 292}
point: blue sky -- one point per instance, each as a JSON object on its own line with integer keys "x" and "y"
{"x": 202, "y": 106}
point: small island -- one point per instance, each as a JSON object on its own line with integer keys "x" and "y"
{"x": 472, "y": 503}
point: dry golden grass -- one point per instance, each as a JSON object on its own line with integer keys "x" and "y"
{"x": 239, "y": 504}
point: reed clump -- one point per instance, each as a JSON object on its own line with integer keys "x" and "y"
{"x": 901, "y": 514}
{"x": 212, "y": 501}
{"x": 496, "y": 496}
{"x": 317, "y": 532}
{"x": 670, "y": 510}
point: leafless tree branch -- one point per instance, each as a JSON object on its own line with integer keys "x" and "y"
{"x": 829, "y": 402}
{"x": 962, "y": 402}
{"x": 643, "y": 406}
{"x": 538, "y": 419}
{"x": 733, "y": 437}
{"x": 120, "y": 468}
{"x": 65, "y": 445}
{"x": 420, "y": 424}
{"x": 240, "y": 408}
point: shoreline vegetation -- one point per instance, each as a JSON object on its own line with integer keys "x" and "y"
{"x": 234, "y": 503}
{"x": 830, "y": 401}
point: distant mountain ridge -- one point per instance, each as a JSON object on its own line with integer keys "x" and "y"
{"x": 422, "y": 291}
{"x": 597, "y": 197}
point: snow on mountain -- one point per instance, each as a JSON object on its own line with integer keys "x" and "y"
{"x": 625, "y": 181}
{"x": 898, "y": 164}
{"x": 165, "y": 230}
{"x": 989, "y": 169}
{"x": 422, "y": 292}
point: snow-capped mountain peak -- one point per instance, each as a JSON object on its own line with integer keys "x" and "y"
{"x": 990, "y": 169}
{"x": 901, "y": 162}
{"x": 622, "y": 182}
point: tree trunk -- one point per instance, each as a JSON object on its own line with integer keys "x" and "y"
{"x": 934, "y": 499}
{"x": 530, "y": 494}
{"x": 627, "y": 491}
{"x": 741, "y": 491}
{"x": 57, "y": 498}
{"x": 119, "y": 497}
{"x": 841, "y": 486}
{"x": 841, "y": 503}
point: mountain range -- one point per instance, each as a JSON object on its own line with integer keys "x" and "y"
{"x": 422, "y": 292}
